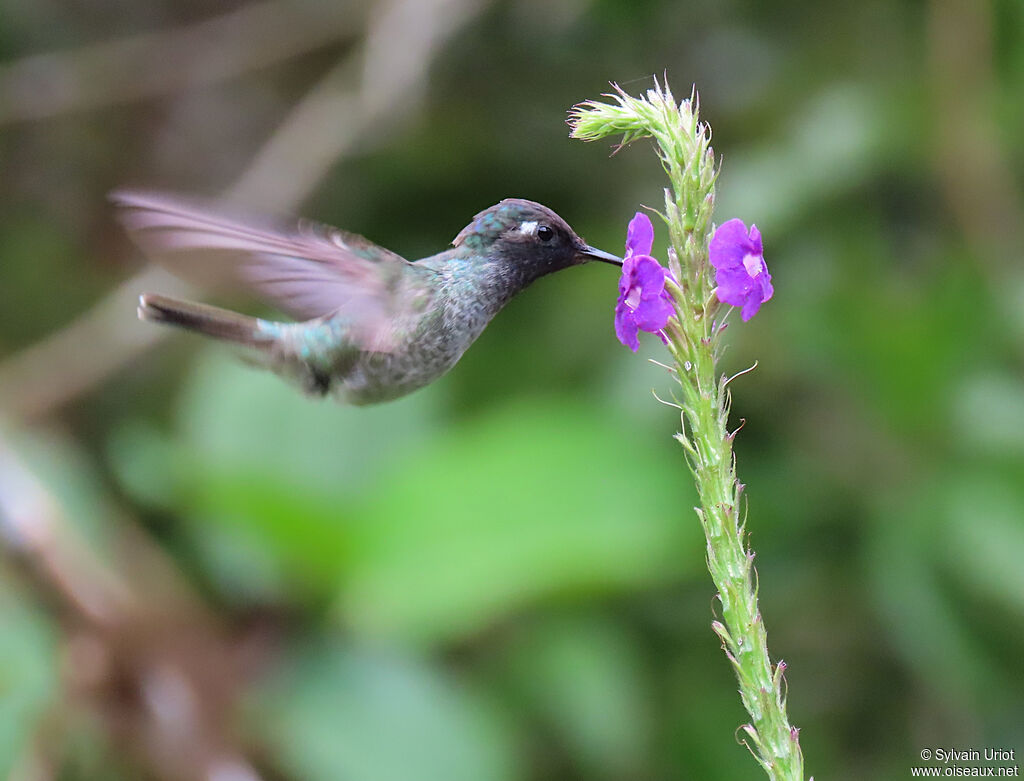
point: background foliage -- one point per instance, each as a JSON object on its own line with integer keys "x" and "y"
{"x": 501, "y": 577}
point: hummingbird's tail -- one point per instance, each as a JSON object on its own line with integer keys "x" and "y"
{"x": 212, "y": 321}
{"x": 274, "y": 346}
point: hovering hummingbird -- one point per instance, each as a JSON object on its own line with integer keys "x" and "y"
{"x": 372, "y": 326}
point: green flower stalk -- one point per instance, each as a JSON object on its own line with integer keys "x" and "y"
{"x": 705, "y": 272}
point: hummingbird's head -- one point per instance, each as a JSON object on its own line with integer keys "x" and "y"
{"x": 529, "y": 237}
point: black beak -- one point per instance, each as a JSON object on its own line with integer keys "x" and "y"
{"x": 586, "y": 252}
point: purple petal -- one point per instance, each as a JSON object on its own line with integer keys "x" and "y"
{"x": 640, "y": 235}
{"x": 765, "y": 279}
{"x": 753, "y": 304}
{"x": 626, "y": 277}
{"x": 755, "y": 240}
{"x": 625, "y": 327}
{"x": 649, "y": 276}
{"x": 653, "y": 315}
{"x": 730, "y": 243}
{"x": 733, "y": 286}
{"x": 733, "y": 277}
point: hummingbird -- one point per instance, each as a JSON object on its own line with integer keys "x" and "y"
{"x": 370, "y": 326}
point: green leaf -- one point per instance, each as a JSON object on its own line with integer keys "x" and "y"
{"x": 262, "y": 475}
{"x": 27, "y": 673}
{"x": 988, "y": 414}
{"x": 536, "y": 499}
{"x": 374, "y": 715}
{"x": 237, "y": 415}
{"x": 984, "y": 540}
{"x": 582, "y": 677}
{"x": 925, "y": 622}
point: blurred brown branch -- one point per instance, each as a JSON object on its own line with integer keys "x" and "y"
{"x": 111, "y": 72}
{"x": 141, "y": 650}
{"x": 373, "y": 88}
{"x": 27, "y": 387}
{"x": 361, "y": 99}
{"x": 973, "y": 165}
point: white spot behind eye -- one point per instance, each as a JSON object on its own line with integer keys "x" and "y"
{"x": 528, "y": 228}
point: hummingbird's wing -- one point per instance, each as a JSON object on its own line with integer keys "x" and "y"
{"x": 308, "y": 271}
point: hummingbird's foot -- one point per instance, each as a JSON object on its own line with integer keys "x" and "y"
{"x": 317, "y": 383}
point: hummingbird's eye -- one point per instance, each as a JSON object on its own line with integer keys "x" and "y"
{"x": 544, "y": 233}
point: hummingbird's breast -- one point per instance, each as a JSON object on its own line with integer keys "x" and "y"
{"x": 468, "y": 296}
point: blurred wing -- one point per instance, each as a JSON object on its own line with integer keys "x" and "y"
{"x": 310, "y": 271}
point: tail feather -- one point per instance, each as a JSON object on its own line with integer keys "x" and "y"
{"x": 209, "y": 320}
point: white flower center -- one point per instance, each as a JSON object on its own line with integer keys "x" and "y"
{"x": 752, "y": 263}
{"x": 633, "y": 299}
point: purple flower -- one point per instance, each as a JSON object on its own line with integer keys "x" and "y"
{"x": 740, "y": 271}
{"x": 643, "y": 303}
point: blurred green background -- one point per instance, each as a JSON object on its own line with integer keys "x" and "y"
{"x": 500, "y": 578}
